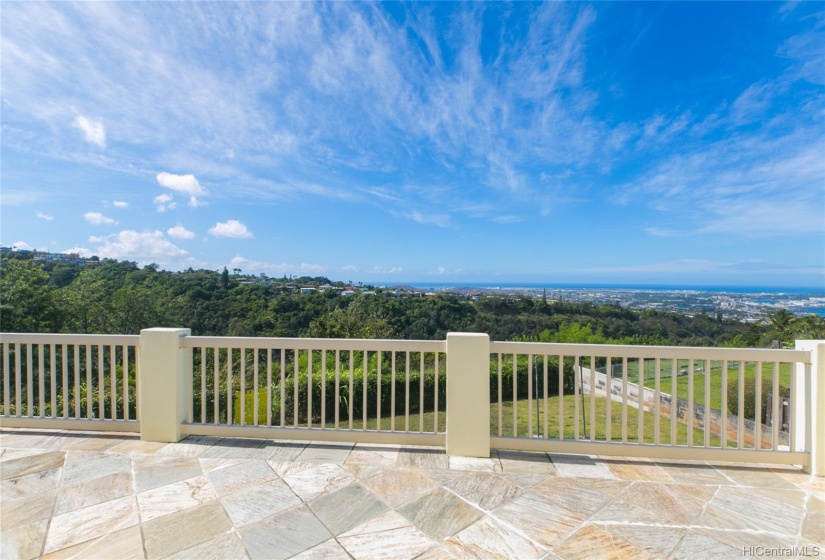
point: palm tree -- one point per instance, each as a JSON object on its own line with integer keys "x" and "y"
{"x": 780, "y": 320}
{"x": 810, "y": 327}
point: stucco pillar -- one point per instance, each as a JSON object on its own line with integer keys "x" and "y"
{"x": 468, "y": 395}
{"x": 164, "y": 383}
{"x": 809, "y": 419}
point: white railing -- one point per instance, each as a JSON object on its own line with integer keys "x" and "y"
{"x": 66, "y": 381}
{"x": 465, "y": 392}
{"x": 558, "y": 401}
{"x": 329, "y": 389}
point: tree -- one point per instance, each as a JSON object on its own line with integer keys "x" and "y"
{"x": 225, "y": 278}
{"x": 360, "y": 319}
{"x": 26, "y": 302}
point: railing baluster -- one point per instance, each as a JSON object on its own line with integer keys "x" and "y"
{"x": 113, "y": 383}
{"x": 421, "y": 396}
{"x": 124, "y": 355}
{"x": 101, "y": 382}
{"x": 65, "y": 369}
{"x": 624, "y": 398}
{"x": 89, "y": 385}
{"x": 215, "y": 380}
{"x": 323, "y": 388}
{"x": 592, "y": 398}
{"x": 337, "y": 386}
{"x": 18, "y": 387}
{"x": 295, "y": 387}
{"x": 435, "y": 400}
{"x": 691, "y": 401}
{"x": 561, "y": 397}
{"x": 309, "y": 388}
{"x": 242, "y": 375}
{"x": 757, "y": 413}
{"x": 365, "y": 369}
{"x": 352, "y": 388}
{"x": 500, "y": 398}
{"x": 608, "y": 424}
{"x": 392, "y": 392}
{"x": 6, "y": 381}
{"x": 530, "y": 395}
{"x": 29, "y": 382}
{"x": 674, "y": 397}
{"x": 203, "y": 385}
{"x": 378, "y": 393}
{"x": 268, "y": 364}
{"x": 578, "y": 390}
{"x": 407, "y": 395}
{"x": 76, "y": 356}
{"x": 515, "y": 395}
{"x": 546, "y": 434}
{"x": 657, "y": 398}
{"x": 281, "y": 406}
{"x": 777, "y": 421}
{"x": 282, "y": 386}
{"x": 41, "y": 383}
{"x": 255, "y": 381}
{"x": 137, "y": 393}
{"x": 230, "y": 364}
{"x": 708, "y": 371}
{"x": 723, "y": 429}
{"x": 794, "y": 399}
{"x": 53, "y": 378}
{"x": 640, "y": 412}
{"x": 741, "y": 402}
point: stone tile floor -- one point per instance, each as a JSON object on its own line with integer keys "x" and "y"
{"x": 79, "y": 495}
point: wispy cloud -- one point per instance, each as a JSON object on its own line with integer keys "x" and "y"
{"x": 43, "y": 216}
{"x": 164, "y": 202}
{"x": 98, "y": 219}
{"x": 440, "y": 220}
{"x": 93, "y": 130}
{"x": 120, "y": 204}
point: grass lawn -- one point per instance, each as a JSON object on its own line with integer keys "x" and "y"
{"x": 699, "y": 377}
{"x": 523, "y": 429}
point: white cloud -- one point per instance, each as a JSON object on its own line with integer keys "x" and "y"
{"x": 163, "y": 202}
{"x": 186, "y": 184}
{"x": 230, "y": 228}
{"x": 276, "y": 269}
{"x": 144, "y": 247}
{"x": 180, "y": 232}
{"x": 21, "y": 245}
{"x": 349, "y": 268}
{"x": 98, "y": 219}
{"x": 120, "y": 204}
{"x": 43, "y": 216}
{"x": 82, "y": 251}
{"x": 93, "y": 130}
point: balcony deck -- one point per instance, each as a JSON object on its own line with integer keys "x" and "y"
{"x": 83, "y": 495}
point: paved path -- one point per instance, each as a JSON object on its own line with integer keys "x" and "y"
{"x": 79, "y": 495}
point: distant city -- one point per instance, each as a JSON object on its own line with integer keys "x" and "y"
{"x": 743, "y": 303}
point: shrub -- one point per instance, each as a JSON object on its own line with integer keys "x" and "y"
{"x": 750, "y": 397}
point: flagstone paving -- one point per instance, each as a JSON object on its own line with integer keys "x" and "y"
{"x": 77, "y": 495}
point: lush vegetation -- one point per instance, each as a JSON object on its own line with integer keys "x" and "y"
{"x": 120, "y": 297}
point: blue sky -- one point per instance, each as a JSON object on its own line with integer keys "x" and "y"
{"x": 623, "y": 142}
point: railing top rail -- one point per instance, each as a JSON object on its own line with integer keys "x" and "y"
{"x": 398, "y": 345}
{"x": 50, "y": 338}
{"x": 631, "y": 351}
